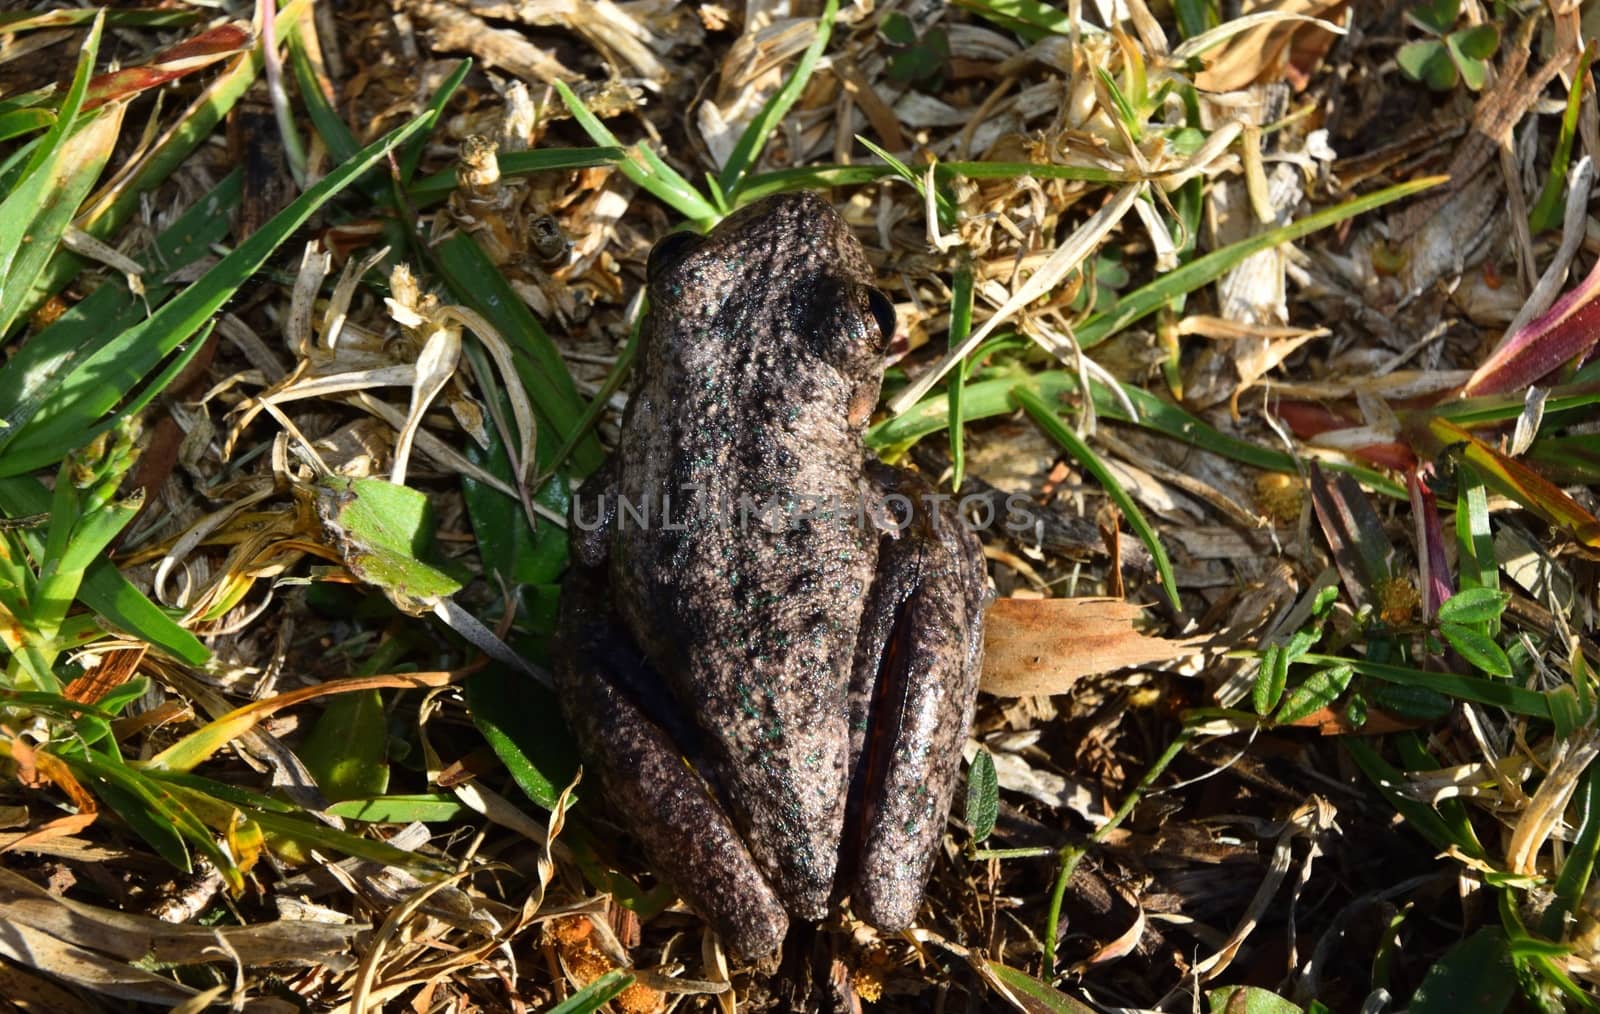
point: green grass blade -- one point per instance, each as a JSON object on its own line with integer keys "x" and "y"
{"x": 104, "y": 589}
{"x": 17, "y": 122}
{"x": 336, "y": 135}
{"x": 642, "y": 166}
{"x": 66, "y": 118}
{"x": 1577, "y": 869}
{"x": 993, "y": 396}
{"x": 1476, "y": 565}
{"x": 960, "y": 327}
{"x": 119, "y": 199}
{"x": 1547, "y": 211}
{"x": 1206, "y": 269}
{"x": 477, "y": 283}
{"x": 748, "y": 149}
{"x": 611, "y": 385}
{"x": 409, "y": 153}
{"x": 1421, "y": 818}
{"x": 1031, "y": 19}
{"x": 518, "y": 163}
{"x": 1062, "y": 434}
{"x": 96, "y": 384}
{"x": 781, "y": 181}
{"x": 596, "y": 994}
{"x": 40, "y": 365}
{"x": 1466, "y": 688}
{"x": 53, "y": 182}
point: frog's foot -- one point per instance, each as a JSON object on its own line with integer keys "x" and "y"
{"x": 685, "y": 833}
{"x": 913, "y": 693}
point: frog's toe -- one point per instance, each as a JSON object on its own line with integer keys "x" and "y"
{"x": 753, "y": 931}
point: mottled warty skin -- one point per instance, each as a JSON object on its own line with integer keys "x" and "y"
{"x": 804, "y": 666}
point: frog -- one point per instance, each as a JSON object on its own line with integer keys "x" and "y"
{"x": 768, "y": 641}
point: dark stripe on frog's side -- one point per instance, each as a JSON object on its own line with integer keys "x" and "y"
{"x": 915, "y": 684}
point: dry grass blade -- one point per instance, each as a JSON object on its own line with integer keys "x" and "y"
{"x": 1050, "y": 274}
{"x": 132, "y": 937}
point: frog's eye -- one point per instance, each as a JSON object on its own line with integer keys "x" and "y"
{"x": 883, "y": 313}
{"x": 669, "y": 250}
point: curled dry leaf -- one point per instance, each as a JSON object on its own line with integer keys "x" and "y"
{"x": 1044, "y": 646}
{"x": 1285, "y": 42}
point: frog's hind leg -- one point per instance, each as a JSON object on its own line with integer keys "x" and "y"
{"x": 670, "y": 810}
{"x": 913, "y": 691}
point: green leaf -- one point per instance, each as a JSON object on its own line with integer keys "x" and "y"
{"x": 381, "y": 531}
{"x": 983, "y": 796}
{"x": 1429, "y": 62}
{"x": 522, "y": 722}
{"x": 1319, "y": 690}
{"x": 1476, "y": 43}
{"x": 1031, "y": 19}
{"x": 1032, "y": 995}
{"x": 595, "y": 995}
{"x": 1473, "y": 605}
{"x": 1436, "y": 16}
{"x": 1248, "y": 1000}
{"x": 1477, "y": 648}
{"x": 1474, "y": 538}
{"x": 348, "y": 749}
{"x": 425, "y": 807}
{"x": 1473, "y": 72}
{"x": 1270, "y": 680}
{"x": 897, "y": 29}
{"x": 509, "y": 547}
{"x": 1476, "y": 975}
{"x": 1416, "y": 703}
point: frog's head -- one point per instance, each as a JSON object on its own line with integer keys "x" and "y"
{"x": 783, "y": 272}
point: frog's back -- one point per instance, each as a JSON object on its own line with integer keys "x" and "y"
{"x": 742, "y": 577}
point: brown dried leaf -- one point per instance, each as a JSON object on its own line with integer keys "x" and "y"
{"x": 1044, "y": 646}
{"x": 1266, "y": 52}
